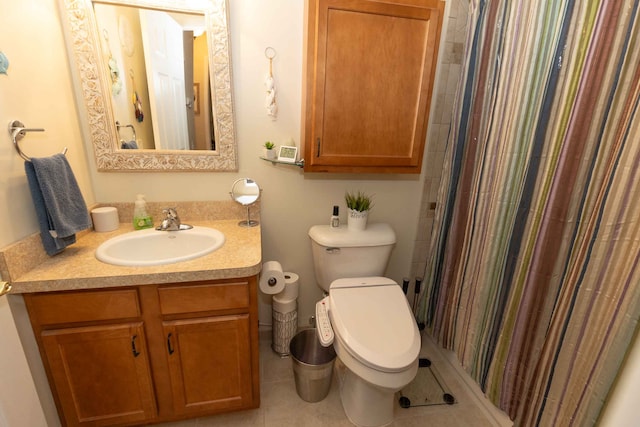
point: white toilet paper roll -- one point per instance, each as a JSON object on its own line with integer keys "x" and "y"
{"x": 272, "y": 278}
{"x": 283, "y": 305}
{"x": 291, "y": 286}
{"x": 105, "y": 219}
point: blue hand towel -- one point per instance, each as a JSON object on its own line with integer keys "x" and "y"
{"x": 131, "y": 145}
{"x": 59, "y": 204}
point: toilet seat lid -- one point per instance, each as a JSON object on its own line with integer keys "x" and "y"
{"x": 373, "y": 319}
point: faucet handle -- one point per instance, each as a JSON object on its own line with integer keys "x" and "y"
{"x": 171, "y": 220}
{"x": 170, "y": 213}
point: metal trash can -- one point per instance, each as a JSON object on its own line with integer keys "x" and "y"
{"x": 312, "y": 365}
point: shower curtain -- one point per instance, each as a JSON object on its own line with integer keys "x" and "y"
{"x": 533, "y": 276}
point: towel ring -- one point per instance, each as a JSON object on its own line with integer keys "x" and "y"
{"x": 133, "y": 130}
{"x": 18, "y": 131}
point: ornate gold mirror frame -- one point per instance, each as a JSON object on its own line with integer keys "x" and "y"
{"x": 92, "y": 90}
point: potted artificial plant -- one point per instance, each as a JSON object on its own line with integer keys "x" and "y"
{"x": 358, "y": 206}
{"x": 269, "y": 150}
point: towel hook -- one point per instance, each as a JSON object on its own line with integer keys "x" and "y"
{"x": 270, "y": 53}
{"x": 18, "y": 131}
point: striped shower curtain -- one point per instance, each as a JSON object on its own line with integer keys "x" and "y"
{"x": 533, "y": 277}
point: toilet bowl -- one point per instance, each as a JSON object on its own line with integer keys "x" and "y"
{"x": 376, "y": 338}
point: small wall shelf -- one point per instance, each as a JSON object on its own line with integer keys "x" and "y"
{"x": 299, "y": 163}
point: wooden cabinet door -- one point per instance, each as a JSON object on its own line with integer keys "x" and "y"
{"x": 101, "y": 373}
{"x": 369, "y": 79}
{"x": 209, "y": 363}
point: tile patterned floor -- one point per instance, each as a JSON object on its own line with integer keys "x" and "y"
{"x": 282, "y": 407}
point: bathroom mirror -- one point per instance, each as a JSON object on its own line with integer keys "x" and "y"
{"x": 160, "y": 92}
{"x": 94, "y": 79}
{"x": 246, "y": 192}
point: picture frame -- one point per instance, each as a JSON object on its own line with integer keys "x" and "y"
{"x": 287, "y": 154}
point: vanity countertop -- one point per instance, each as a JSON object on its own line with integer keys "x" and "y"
{"x": 77, "y": 267}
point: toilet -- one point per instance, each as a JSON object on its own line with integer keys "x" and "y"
{"x": 366, "y": 317}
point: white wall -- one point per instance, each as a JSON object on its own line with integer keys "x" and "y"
{"x": 622, "y": 407}
{"x": 37, "y": 91}
{"x": 19, "y": 403}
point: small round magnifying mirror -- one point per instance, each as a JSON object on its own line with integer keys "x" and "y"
{"x": 246, "y": 192}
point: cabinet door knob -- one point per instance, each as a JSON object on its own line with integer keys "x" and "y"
{"x": 135, "y": 352}
{"x": 5, "y": 288}
{"x": 169, "y": 347}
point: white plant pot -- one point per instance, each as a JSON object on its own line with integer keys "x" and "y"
{"x": 357, "y": 221}
{"x": 270, "y": 154}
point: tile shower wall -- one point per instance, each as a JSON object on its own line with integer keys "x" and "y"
{"x": 445, "y": 92}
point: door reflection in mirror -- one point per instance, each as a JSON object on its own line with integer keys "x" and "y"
{"x": 162, "y": 58}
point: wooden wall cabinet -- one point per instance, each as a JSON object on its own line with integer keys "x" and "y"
{"x": 370, "y": 67}
{"x": 147, "y": 354}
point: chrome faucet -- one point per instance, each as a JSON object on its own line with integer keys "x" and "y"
{"x": 171, "y": 221}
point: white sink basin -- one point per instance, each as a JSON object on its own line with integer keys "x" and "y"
{"x": 154, "y": 247}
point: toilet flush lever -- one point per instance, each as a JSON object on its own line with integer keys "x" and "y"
{"x": 323, "y": 324}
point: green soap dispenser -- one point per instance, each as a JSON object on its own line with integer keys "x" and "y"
{"x": 141, "y": 217}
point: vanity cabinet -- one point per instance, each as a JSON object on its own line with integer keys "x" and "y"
{"x": 370, "y": 67}
{"x": 152, "y": 353}
{"x": 208, "y": 345}
{"x": 102, "y": 373}
{"x": 209, "y": 363}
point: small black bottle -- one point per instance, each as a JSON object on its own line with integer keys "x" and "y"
{"x": 335, "y": 219}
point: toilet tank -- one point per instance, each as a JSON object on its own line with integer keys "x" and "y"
{"x": 340, "y": 253}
